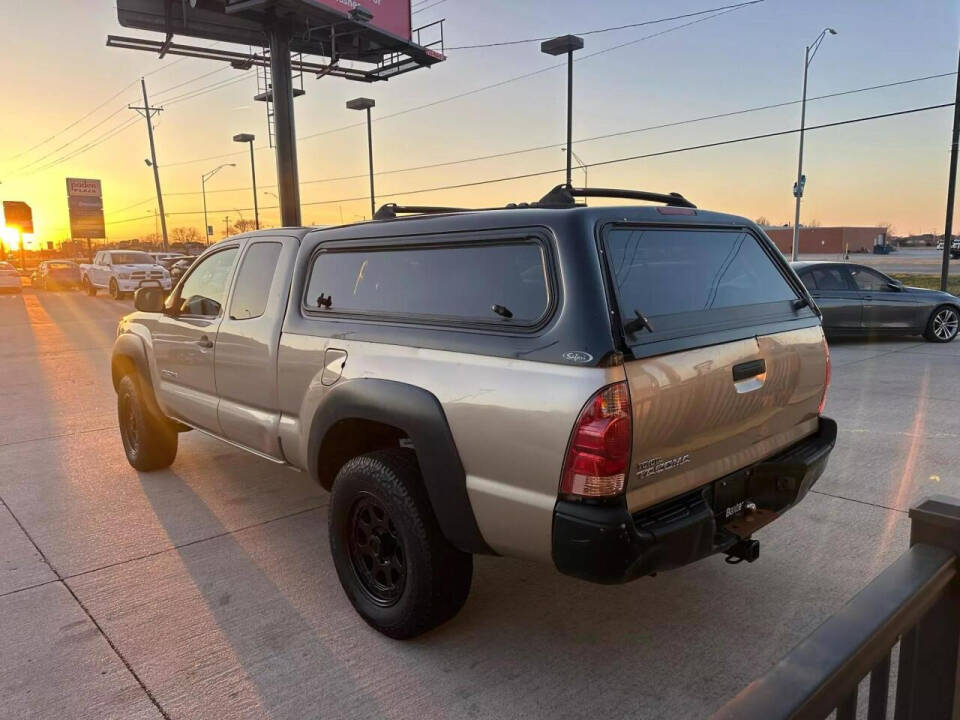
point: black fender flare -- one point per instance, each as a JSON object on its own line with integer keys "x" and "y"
{"x": 129, "y": 347}
{"x": 419, "y": 414}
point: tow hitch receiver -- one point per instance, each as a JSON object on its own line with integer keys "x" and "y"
{"x": 746, "y": 549}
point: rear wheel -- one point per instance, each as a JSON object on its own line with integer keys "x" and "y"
{"x": 397, "y": 569}
{"x": 149, "y": 440}
{"x": 943, "y": 324}
{"x": 88, "y": 286}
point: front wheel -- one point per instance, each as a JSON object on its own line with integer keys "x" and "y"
{"x": 115, "y": 290}
{"x": 397, "y": 569}
{"x": 943, "y": 324}
{"x": 149, "y": 441}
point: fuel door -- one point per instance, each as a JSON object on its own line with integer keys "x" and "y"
{"x": 333, "y": 362}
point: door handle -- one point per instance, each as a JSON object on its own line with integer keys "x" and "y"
{"x": 747, "y": 370}
{"x": 205, "y": 342}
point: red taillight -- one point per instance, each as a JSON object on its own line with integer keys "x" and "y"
{"x": 599, "y": 453}
{"x": 826, "y": 380}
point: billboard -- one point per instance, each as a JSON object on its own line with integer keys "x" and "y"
{"x": 86, "y": 208}
{"x": 392, "y": 16}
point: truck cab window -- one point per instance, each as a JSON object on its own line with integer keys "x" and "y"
{"x": 254, "y": 280}
{"x": 204, "y": 290}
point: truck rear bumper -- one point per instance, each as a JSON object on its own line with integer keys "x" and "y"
{"x": 606, "y": 544}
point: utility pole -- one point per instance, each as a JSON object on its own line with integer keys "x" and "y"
{"x": 226, "y": 226}
{"x": 951, "y": 188}
{"x": 148, "y": 113}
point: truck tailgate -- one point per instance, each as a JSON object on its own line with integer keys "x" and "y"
{"x": 703, "y": 413}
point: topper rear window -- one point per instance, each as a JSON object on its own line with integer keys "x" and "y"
{"x": 691, "y": 280}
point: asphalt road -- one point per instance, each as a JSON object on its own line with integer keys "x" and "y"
{"x": 919, "y": 261}
{"x": 207, "y": 591}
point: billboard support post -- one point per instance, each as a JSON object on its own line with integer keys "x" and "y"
{"x": 23, "y": 257}
{"x": 287, "y": 176}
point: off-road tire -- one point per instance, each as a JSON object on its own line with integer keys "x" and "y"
{"x": 88, "y": 286}
{"x": 149, "y": 440}
{"x": 436, "y": 576}
{"x": 943, "y": 324}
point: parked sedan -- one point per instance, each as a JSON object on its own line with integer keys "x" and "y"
{"x": 9, "y": 278}
{"x": 52, "y": 274}
{"x": 858, "y": 300}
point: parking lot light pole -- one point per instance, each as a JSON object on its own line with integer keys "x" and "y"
{"x": 203, "y": 189}
{"x": 249, "y": 138}
{"x": 808, "y": 54}
{"x": 365, "y": 104}
{"x": 566, "y": 45}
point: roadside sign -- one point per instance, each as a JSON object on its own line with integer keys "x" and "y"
{"x": 83, "y": 187}
{"x": 18, "y": 215}
{"x": 86, "y": 217}
{"x": 85, "y": 202}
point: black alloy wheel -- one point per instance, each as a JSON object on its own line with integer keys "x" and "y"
{"x": 376, "y": 551}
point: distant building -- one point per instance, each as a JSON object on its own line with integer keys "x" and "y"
{"x": 832, "y": 240}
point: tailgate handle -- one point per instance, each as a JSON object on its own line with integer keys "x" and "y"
{"x": 747, "y": 370}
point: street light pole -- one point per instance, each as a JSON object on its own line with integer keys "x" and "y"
{"x": 801, "y": 180}
{"x": 566, "y": 44}
{"x": 366, "y": 104}
{"x": 203, "y": 189}
{"x": 951, "y": 189}
{"x": 248, "y": 138}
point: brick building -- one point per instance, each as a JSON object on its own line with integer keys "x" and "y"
{"x": 833, "y": 240}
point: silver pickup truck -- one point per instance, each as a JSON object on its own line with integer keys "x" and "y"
{"x": 616, "y": 391}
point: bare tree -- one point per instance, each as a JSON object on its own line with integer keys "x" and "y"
{"x": 185, "y": 235}
{"x": 762, "y": 221}
{"x": 242, "y": 226}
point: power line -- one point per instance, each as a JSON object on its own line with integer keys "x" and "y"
{"x": 475, "y": 91}
{"x": 73, "y": 124}
{"x": 601, "y": 30}
{"x": 206, "y": 89}
{"x": 439, "y": 2}
{"x": 521, "y": 151}
{"x": 98, "y": 107}
{"x": 602, "y": 163}
{"x": 116, "y": 130}
{"x": 69, "y": 142}
{"x": 193, "y": 80}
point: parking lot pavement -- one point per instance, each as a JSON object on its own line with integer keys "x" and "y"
{"x": 207, "y": 591}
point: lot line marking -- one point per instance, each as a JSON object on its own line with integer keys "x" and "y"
{"x": 86, "y": 612}
{"x": 861, "y": 502}
{"x": 173, "y": 548}
{"x": 54, "y": 437}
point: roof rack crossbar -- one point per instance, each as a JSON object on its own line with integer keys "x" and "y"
{"x": 391, "y": 210}
{"x": 563, "y": 196}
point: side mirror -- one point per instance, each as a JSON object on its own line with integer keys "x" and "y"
{"x": 148, "y": 299}
{"x": 895, "y": 285}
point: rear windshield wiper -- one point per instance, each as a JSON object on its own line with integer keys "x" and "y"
{"x": 637, "y": 323}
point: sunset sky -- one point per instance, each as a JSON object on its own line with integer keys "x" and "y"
{"x": 58, "y": 70}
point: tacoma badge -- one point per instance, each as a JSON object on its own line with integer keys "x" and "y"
{"x": 654, "y": 466}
